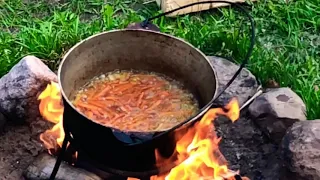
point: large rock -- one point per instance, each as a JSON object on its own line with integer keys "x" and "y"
{"x": 243, "y": 87}
{"x": 279, "y": 102}
{"x": 276, "y": 110}
{"x": 21, "y": 87}
{"x": 301, "y": 151}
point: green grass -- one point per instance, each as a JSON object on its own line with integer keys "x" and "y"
{"x": 288, "y": 35}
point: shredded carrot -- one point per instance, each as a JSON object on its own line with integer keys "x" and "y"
{"x": 140, "y": 98}
{"x": 89, "y": 114}
{"x": 135, "y": 101}
{"x": 95, "y": 112}
{"x": 143, "y": 105}
{"x": 124, "y": 87}
{"x": 97, "y": 103}
{"x": 111, "y": 98}
{"x": 128, "y": 107}
{"x": 124, "y": 109}
{"x": 87, "y": 106}
{"x": 116, "y": 118}
{"x": 103, "y": 102}
{"x": 110, "y": 112}
{"x": 103, "y": 92}
{"x": 146, "y": 87}
{"x": 154, "y": 105}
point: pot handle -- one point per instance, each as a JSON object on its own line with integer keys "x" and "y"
{"x": 147, "y": 25}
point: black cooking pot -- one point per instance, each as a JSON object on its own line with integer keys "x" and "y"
{"x": 132, "y": 153}
{"x": 129, "y": 49}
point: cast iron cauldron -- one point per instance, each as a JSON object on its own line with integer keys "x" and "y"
{"x": 129, "y": 49}
{"x": 133, "y": 153}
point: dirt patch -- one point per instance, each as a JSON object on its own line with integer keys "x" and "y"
{"x": 19, "y": 146}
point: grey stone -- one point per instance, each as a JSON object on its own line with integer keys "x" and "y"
{"x": 21, "y": 87}
{"x": 301, "y": 151}
{"x": 279, "y": 102}
{"x": 276, "y": 110}
{"x": 243, "y": 87}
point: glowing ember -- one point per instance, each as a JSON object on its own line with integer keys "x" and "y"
{"x": 51, "y": 108}
{"x": 198, "y": 154}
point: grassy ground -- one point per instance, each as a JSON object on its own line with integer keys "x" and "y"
{"x": 288, "y": 35}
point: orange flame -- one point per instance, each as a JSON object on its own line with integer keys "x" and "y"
{"x": 51, "y": 108}
{"x": 198, "y": 154}
{"x": 197, "y": 151}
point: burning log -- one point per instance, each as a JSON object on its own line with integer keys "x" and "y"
{"x": 42, "y": 167}
{"x": 198, "y": 154}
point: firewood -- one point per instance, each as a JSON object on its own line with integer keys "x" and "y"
{"x": 168, "y": 5}
{"x": 43, "y": 165}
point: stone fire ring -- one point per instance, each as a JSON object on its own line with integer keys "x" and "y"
{"x": 272, "y": 139}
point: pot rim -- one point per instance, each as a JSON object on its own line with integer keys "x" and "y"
{"x": 200, "y": 112}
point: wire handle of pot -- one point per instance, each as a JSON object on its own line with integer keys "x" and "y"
{"x": 252, "y": 39}
{"x": 145, "y": 23}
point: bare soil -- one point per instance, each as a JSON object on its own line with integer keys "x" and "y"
{"x": 19, "y": 145}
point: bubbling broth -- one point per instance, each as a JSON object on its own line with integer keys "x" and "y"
{"x": 135, "y": 101}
